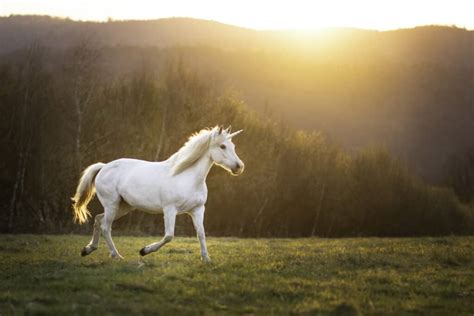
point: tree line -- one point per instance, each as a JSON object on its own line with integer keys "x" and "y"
{"x": 62, "y": 112}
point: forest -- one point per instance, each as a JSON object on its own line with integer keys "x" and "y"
{"x": 64, "y": 108}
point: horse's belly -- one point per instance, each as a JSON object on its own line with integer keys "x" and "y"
{"x": 151, "y": 211}
{"x": 148, "y": 205}
{"x": 142, "y": 198}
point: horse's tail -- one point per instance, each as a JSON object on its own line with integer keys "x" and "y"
{"x": 85, "y": 192}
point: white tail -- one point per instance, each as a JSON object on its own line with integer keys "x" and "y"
{"x": 85, "y": 192}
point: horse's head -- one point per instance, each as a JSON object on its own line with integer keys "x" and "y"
{"x": 223, "y": 151}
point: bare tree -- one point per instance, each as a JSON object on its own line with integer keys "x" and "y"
{"x": 82, "y": 72}
{"x": 29, "y": 86}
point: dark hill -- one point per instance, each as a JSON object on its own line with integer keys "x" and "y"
{"x": 410, "y": 90}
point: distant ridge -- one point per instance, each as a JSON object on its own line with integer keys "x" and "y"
{"x": 409, "y": 89}
{"x": 17, "y": 31}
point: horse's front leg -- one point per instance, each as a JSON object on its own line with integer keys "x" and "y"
{"x": 169, "y": 215}
{"x": 197, "y": 214}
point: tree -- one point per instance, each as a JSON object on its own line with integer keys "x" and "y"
{"x": 26, "y": 115}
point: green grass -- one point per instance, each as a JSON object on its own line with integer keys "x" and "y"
{"x": 44, "y": 274}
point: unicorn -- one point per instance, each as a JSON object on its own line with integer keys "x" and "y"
{"x": 171, "y": 187}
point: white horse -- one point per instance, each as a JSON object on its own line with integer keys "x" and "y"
{"x": 171, "y": 187}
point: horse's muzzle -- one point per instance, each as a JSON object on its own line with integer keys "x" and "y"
{"x": 238, "y": 169}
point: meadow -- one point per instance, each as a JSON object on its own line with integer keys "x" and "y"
{"x": 44, "y": 274}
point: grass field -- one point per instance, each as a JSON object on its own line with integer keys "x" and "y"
{"x": 45, "y": 274}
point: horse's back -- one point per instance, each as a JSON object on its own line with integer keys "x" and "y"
{"x": 123, "y": 169}
{"x": 132, "y": 180}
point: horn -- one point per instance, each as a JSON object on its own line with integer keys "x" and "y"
{"x": 235, "y": 133}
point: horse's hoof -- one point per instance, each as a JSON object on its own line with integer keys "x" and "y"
{"x": 143, "y": 252}
{"x": 84, "y": 252}
{"x": 116, "y": 256}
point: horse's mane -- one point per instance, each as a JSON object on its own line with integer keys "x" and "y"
{"x": 192, "y": 151}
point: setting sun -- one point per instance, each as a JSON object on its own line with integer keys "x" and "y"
{"x": 298, "y": 14}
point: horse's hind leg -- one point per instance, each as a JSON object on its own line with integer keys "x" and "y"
{"x": 123, "y": 210}
{"x": 94, "y": 243}
{"x": 113, "y": 213}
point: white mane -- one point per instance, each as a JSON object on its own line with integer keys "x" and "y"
{"x": 196, "y": 146}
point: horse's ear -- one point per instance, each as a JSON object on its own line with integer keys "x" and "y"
{"x": 228, "y": 129}
{"x": 220, "y": 129}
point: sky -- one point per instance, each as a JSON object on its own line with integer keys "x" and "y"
{"x": 262, "y": 15}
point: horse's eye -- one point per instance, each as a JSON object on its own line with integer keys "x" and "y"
{"x": 222, "y": 146}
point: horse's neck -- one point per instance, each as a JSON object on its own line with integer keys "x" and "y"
{"x": 201, "y": 168}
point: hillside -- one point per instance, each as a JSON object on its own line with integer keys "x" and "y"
{"x": 65, "y": 107}
{"x": 18, "y": 31}
{"x": 409, "y": 90}
{"x": 437, "y": 44}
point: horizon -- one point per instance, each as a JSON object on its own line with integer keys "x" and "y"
{"x": 307, "y": 16}
{"x": 110, "y": 20}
